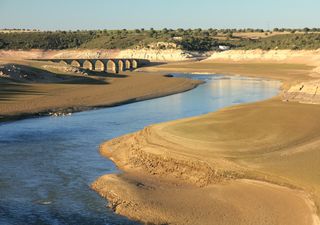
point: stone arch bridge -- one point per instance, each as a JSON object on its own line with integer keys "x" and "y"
{"x": 105, "y": 65}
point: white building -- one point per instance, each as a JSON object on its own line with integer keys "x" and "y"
{"x": 224, "y": 47}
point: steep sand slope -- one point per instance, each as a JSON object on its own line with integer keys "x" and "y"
{"x": 248, "y": 164}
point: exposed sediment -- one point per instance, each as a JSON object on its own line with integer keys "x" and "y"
{"x": 287, "y": 56}
{"x": 149, "y": 153}
{"x": 149, "y": 54}
{"x": 167, "y": 182}
{"x": 305, "y": 92}
{"x": 31, "y": 88}
{"x": 247, "y": 164}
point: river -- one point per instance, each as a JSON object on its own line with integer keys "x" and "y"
{"x": 47, "y": 164}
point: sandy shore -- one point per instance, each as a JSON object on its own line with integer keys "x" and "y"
{"x": 247, "y": 164}
{"x": 76, "y": 93}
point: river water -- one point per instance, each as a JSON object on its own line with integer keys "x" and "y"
{"x": 47, "y": 164}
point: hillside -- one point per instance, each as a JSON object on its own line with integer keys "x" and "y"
{"x": 191, "y": 40}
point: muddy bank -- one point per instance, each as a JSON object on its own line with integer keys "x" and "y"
{"x": 27, "y": 111}
{"x": 240, "y": 165}
{"x": 60, "y": 93}
{"x": 83, "y": 97}
{"x": 237, "y": 202}
{"x": 177, "y": 173}
{"x": 300, "y": 77}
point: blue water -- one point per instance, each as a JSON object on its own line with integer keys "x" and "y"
{"x": 47, "y": 164}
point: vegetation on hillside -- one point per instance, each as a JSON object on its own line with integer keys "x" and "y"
{"x": 44, "y": 40}
{"x": 286, "y": 41}
{"x": 191, "y": 39}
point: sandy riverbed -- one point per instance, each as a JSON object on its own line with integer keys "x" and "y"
{"x": 248, "y": 164}
{"x": 58, "y": 90}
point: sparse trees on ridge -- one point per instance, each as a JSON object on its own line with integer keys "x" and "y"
{"x": 188, "y": 39}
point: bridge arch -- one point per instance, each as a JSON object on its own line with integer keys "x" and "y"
{"x": 75, "y": 63}
{"x": 112, "y": 66}
{"x": 134, "y": 64}
{"x": 63, "y": 62}
{"x": 99, "y": 65}
{"x": 121, "y": 65}
{"x": 102, "y": 64}
{"x": 87, "y": 64}
{"x": 128, "y": 64}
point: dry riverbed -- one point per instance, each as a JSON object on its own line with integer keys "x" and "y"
{"x": 248, "y": 164}
{"x": 30, "y": 88}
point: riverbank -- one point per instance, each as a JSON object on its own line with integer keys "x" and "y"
{"x": 247, "y": 164}
{"x": 162, "y": 55}
{"x": 59, "y": 92}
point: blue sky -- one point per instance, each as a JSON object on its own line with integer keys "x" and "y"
{"x": 130, "y": 14}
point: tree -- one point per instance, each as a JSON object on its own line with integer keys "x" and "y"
{"x": 152, "y": 33}
{"x": 229, "y": 35}
{"x": 306, "y": 29}
{"x": 165, "y": 30}
{"x": 214, "y": 33}
{"x": 198, "y": 30}
{"x": 180, "y": 30}
{"x": 1, "y": 44}
{"x": 205, "y": 33}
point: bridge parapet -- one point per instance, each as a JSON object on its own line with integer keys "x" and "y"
{"x": 106, "y": 65}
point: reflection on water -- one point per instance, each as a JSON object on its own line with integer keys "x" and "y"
{"x": 48, "y": 163}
